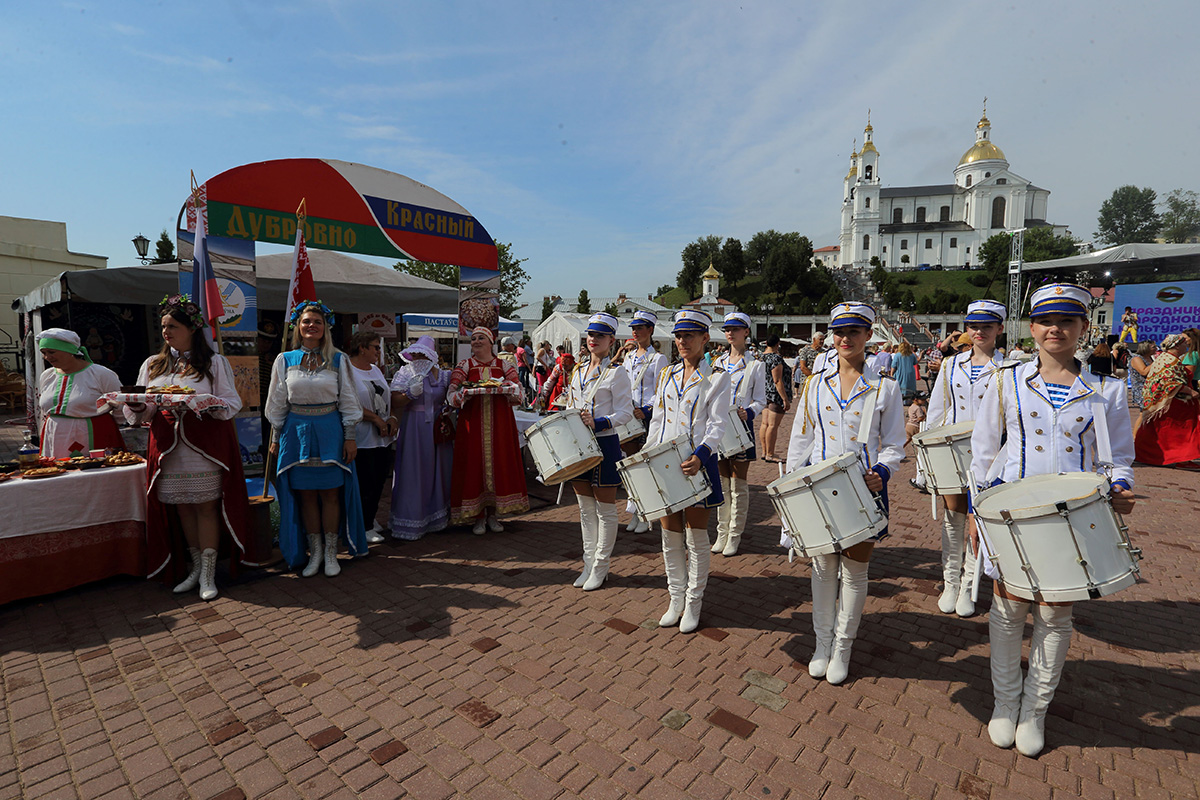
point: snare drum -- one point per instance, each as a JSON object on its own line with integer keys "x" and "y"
{"x": 944, "y": 455}
{"x": 1056, "y": 538}
{"x": 827, "y": 506}
{"x": 737, "y": 438}
{"x": 630, "y": 430}
{"x": 562, "y": 446}
{"x": 655, "y": 482}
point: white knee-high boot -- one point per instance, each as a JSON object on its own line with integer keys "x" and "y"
{"x": 189, "y": 583}
{"x": 824, "y": 610}
{"x": 331, "y": 562}
{"x": 965, "y": 606}
{"x": 1006, "y": 628}
{"x": 739, "y": 497}
{"x": 314, "y": 555}
{"x": 1047, "y": 654}
{"x": 697, "y": 578}
{"x": 724, "y": 518}
{"x": 854, "y": 598}
{"x": 954, "y": 526}
{"x": 208, "y": 574}
{"x": 606, "y": 537}
{"x": 589, "y": 524}
{"x": 632, "y": 508}
{"x": 675, "y": 562}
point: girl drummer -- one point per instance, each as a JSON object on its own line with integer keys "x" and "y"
{"x": 1039, "y": 421}
{"x": 847, "y": 408}
{"x": 643, "y": 364}
{"x": 691, "y": 400}
{"x": 748, "y": 396}
{"x": 961, "y": 385}
{"x": 602, "y": 394}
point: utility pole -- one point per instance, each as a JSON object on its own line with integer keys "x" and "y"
{"x": 1015, "y": 260}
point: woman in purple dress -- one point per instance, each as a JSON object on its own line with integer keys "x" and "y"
{"x": 421, "y": 486}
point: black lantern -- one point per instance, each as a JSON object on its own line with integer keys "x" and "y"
{"x": 142, "y": 245}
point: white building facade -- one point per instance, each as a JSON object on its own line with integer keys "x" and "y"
{"x": 943, "y": 224}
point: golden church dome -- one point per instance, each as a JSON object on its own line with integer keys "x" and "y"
{"x": 869, "y": 146}
{"x": 711, "y": 272}
{"x": 982, "y": 150}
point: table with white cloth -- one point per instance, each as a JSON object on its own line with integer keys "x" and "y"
{"x": 524, "y": 419}
{"x": 64, "y": 531}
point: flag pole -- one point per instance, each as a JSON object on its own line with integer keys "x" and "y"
{"x": 201, "y": 220}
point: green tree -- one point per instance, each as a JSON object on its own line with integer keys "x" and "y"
{"x": 164, "y": 249}
{"x": 666, "y": 287}
{"x": 696, "y": 258}
{"x": 583, "y": 305}
{"x": 1041, "y": 244}
{"x": 733, "y": 261}
{"x": 1128, "y": 216}
{"x": 760, "y": 246}
{"x": 830, "y": 299}
{"x": 805, "y": 306}
{"x": 904, "y": 259}
{"x": 611, "y": 308}
{"x": 994, "y": 255}
{"x": 445, "y": 274}
{"x": 547, "y": 307}
{"x": 1181, "y": 219}
{"x": 513, "y": 276}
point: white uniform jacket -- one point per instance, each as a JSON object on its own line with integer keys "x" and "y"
{"x": 1042, "y": 440}
{"x": 611, "y": 405}
{"x": 954, "y": 397}
{"x": 697, "y": 409}
{"x": 747, "y": 383}
{"x": 643, "y": 372}
{"x": 824, "y": 429}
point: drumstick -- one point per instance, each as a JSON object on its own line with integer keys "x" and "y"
{"x": 975, "y": 577}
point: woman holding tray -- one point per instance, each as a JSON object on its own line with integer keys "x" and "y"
{"x": 194, "y": 465}
{"x": 314, "y": 413}
{"x": 67, "y": 394}
{"x": 489, "y": 475}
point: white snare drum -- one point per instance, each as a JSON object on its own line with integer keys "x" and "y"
{"x": 562, "y": 446}
{"x": 1056, "y": 538}
{"x": 944, "y": 455}
{"x": 630, "y": 430}
{"x": 655, "y": 482}
{"x": 737, "y": 438}
{"x": 827, "y": 506}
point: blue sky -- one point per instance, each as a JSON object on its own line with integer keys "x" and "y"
{"x": 598, "y": 138}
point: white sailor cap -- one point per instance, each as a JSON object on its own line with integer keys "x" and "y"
{"x": 736, "y": 320}
{"x": 691, "y": 320}
{"x": 986, "y": 311}
{"x": 846, "y": 314}
{"x": 1060, "y": 298}
{"x": 643, "y": 318}
{"x": 602, "y": 322}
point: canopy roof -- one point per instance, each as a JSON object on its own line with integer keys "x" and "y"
{"x": 344, "y": 283}
{"x": 1167, "y": 257}
{"x": 563, "y": 326}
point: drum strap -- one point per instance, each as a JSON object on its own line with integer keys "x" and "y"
{"x": 1100, "y": 423}
{"x": 868, "y": 415}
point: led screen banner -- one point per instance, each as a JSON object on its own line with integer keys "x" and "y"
{"x": 1162, "y": 308}
{"x": 351, "y": 208}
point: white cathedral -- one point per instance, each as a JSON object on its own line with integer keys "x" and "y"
{"x": 944, "y": 224}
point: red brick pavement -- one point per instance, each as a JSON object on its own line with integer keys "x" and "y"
{"x": 468, "y": 666}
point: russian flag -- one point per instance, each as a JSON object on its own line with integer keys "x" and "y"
{"x": 204, "y": 282}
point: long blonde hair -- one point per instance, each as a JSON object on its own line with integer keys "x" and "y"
{"x": 327, "y": 348}
{"x": 905, "y": 348}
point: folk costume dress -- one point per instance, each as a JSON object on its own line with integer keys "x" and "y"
{"x": 1170, "y": 429}
{"x": 489, "y": 471}
{"x": 603, "y": 391}
{"x": 1026, "y": 427}
{"x": 957, "y": 395}
{"x": 71, "y": 423}
{"x": 748, "y": 390}
{"x": 194, "y": 458}
{"x": 421, "y": 488}
{"x": 696, "y": 409}
{"x": 828, "y": 425}
{"x": 313, "y": 410}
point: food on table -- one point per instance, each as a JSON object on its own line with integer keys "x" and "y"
{"x": 81, "y": 462}
{"x": 124, "y": 460}
{"x": 43, "y": 472}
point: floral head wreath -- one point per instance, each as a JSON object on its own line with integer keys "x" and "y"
{"x": 310, "y": 305}
{"x": 184, "y": 305}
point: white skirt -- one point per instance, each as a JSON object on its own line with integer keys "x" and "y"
{"x": 186, "y": 476}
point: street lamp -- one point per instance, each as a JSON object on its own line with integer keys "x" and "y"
{"x": 142, "y": 245}
{"x": 768, "y": 307}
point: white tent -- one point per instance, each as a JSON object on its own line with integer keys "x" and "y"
{"x": 562, "y": 326}
{"x": 1124, "y": 255}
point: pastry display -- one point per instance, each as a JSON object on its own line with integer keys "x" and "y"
{"x": 124, "y": 460}
{"x": 43, "y": 472}
{"x": 81, "y": 462}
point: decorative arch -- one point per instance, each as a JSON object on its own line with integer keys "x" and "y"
{"x": 998, "y": 208}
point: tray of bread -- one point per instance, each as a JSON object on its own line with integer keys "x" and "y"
{"x": 43, "y": 472}
{"x": 489, "y": 386}
{"x": 124, "y": 460}
{"x": 166, "y": 396}
{"x": 81, "y": 462}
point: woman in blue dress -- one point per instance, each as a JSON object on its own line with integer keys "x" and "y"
{"x": 313, "y": 409}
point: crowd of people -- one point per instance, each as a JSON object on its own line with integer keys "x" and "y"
{"x": 447, "y": 440}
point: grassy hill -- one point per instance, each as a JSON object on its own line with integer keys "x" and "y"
{"x": 922, "y": 284}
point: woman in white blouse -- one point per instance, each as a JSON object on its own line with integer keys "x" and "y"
{"x": 314, "y": 412}
{"x": 68, "y": 389}
{"x": 748, "y": 397}
{"x": 847, "y": 408}
{"x": 601, "y": 391}
{"x": 691, "y": 400}
{"x": 376, "y": 432}
{"x": 194, "y": 463}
